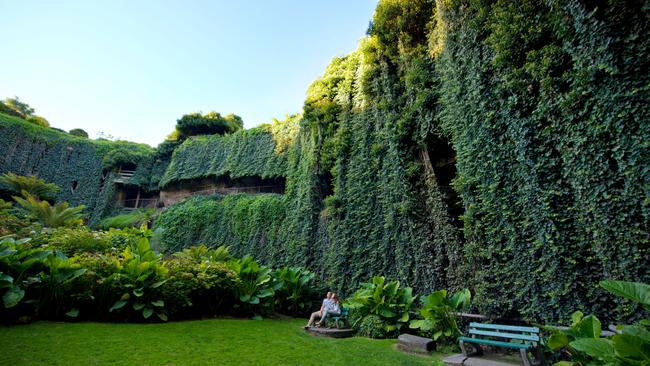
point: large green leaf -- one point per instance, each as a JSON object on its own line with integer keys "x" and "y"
{"x": 637, "y": 331}
{"x": 118, "y": 305}
{"x": 73, "y": 313}
{"x": 158, "y": 303}
{"x": 635, "y": 291}
{"x": 558, "y": 341}
{"x": 13, "y": 296}
{"x": 589, "y": 327}
{"x": 147, "y": 312}
{"x": 461, "y": 299}
{"x": 632, "y": 347}
{"x": 599, "y": 347}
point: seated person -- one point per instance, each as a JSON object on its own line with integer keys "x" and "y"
{"x": 333, "y": 308}
{"x": 319, "y": 314}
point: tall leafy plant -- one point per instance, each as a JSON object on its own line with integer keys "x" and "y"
{"x": 293, "y": 287}
{"x": 438, "y": 312}
{"x": 255, "y": 286}
{"x": 139, "y": 274}
{"x": 59, "y": 271}
{"x": 385, "y": 299}
{"x": 20, "y": 266}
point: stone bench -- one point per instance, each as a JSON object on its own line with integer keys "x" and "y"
{"x": 415, "y": 344}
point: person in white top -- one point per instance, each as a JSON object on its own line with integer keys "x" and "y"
{"x": 316, "y": 315}
{"x": 333, "y": 308}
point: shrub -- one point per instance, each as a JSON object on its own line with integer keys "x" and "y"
{"x": 74, "y": 240}
{"x": 78, "y": 132}
{"x": 374, "y": 326}
{"x": 198, "y": 287}
{"x": 38, "y": 120}
{"x": 90, "y": 292}
{"x": 385, "y": 299}
{"x": 209, "y": 124}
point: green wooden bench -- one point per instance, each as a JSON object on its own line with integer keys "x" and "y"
{"x": 524, "y": 339}
{"x": 342, "y": 316}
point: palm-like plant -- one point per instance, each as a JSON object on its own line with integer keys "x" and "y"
{"x": 16, "y": 184}
{"x": 61, "y": 214}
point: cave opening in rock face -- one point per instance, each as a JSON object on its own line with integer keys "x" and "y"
{"x": 443, "y": 164}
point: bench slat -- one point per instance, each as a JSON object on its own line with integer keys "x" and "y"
{"x": 525, "y": 337}
{"x": 505, "y": 327}
{"x": 495, "y": 343}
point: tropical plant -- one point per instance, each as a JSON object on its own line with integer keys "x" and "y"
{"x": 293, "y": 287}
{"x": 16, "y": 184}
{"x": 255, "y": 284}
{"x": 139, "y": 274}
{"x": 53, "y": 216}
{"x": 385, "y": 299}
{"x": 438, "y": 311}
{"x": 584, "y": 344}
{"x": 19, "y": 268}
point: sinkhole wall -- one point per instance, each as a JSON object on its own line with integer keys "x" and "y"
{"x": 499, "y": 146}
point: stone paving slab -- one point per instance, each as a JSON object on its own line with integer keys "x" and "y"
{"x": 487, "y": 360}
{"x": 331, "y": 332}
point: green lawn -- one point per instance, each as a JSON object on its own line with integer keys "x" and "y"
{"x": 205, "y": 342}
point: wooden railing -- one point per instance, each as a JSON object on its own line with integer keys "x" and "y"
{"x": 140, "y": 203}
{"x": 122, "y": 176}
{"x": 229, "y": 190}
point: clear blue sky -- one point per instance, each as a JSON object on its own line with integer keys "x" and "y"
{"x": 131, "y": 68}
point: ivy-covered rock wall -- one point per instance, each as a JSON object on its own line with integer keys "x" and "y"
{"x": 541, "y": 105}
{"x": 249, "y": 224}
{"x": 546, "y": 103}
{"x": 244, "y": 153}
{"x": 73, "y": 163}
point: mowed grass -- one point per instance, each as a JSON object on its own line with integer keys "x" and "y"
{"x": 203, "y": 342}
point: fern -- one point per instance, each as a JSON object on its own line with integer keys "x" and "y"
{"x": 53, "y": 216}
